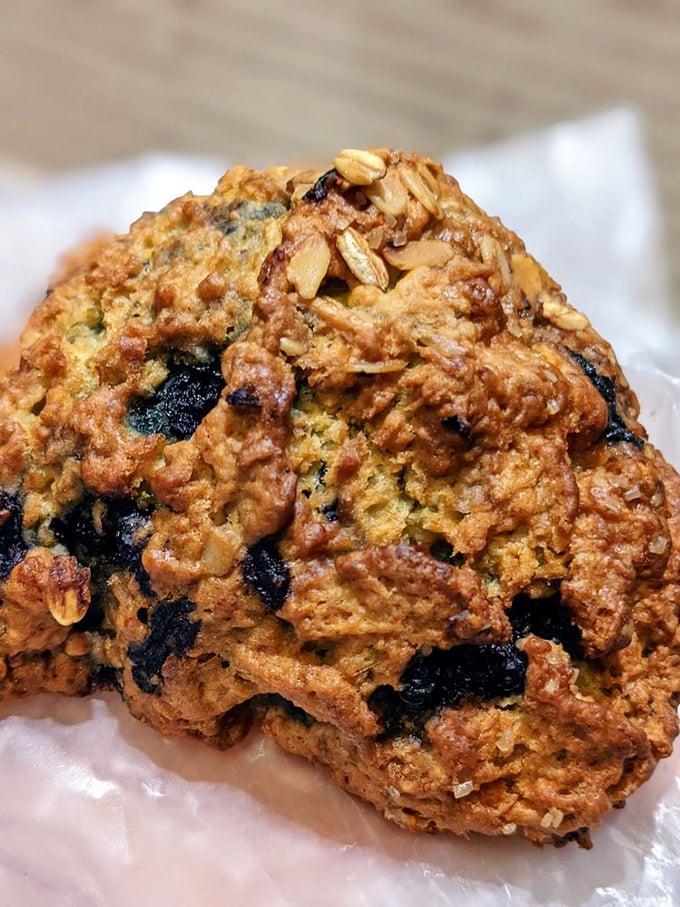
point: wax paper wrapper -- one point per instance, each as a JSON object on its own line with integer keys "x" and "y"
{"x": 98, "y": 809}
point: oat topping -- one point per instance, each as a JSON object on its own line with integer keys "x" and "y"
{"x": 364, "y": 264}
{"x": 361, "y": 168}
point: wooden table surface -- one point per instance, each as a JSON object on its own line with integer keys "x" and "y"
{"x": 84, "y": 81}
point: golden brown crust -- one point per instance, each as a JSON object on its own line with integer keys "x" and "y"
{"x": 333, "y": 451}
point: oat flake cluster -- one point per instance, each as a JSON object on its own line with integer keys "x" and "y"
{"x": 333, "y": 454}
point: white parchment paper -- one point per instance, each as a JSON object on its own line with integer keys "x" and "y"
{"x": 98, "y": 809}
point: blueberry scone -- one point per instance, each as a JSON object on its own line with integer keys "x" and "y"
{"x": 333, "y": 454}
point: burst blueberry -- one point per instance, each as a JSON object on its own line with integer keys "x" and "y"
{"x": 181, "y": 402}
{"x": 265, "y": 571}
{"x": 616, "y": 429}
{"x": 172, "y": 633}
{"x": 446, "y": 677}
{"x": 104, "y": 532}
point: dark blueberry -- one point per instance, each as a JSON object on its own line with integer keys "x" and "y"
{"x": 243, "y": 396}
{"x": 421, "y": 686}
{"x": 547, "y": 618}
{"x": 446, "y": 677}
{"x": 443, "y": 551}
{"x": 457, "y": 425}
{"x": 105, "y": 532}
{"x": 322, "y": 472}
{"x": 13, "y": 545}
{"x": 266, "y": 572}
{"x": 330, "y": 511}
{"x": 172, "y": 633}
{"x": 228, "y": 218}
{"x": 616, "y": 429}
{"x": 485, "y": 671}
{"x": 124, "y": 525}
{"x": 319, "y": 190}
{"x": 180, "y": 403}
{"x": 76, "y": 530}
{"x": 386, "y": 702}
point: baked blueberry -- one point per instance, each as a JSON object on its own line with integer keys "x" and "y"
{"x": 172, "y": 632}
{"x": 180, "y": 403}
{"x": 266, "y": 572}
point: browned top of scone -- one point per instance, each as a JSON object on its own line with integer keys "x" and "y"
{"x": 294, "y": 437}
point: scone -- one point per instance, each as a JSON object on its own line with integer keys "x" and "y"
{"x": 333, "y": 453}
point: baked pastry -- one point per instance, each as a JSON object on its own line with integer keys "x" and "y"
{"x": 332, "y": 452}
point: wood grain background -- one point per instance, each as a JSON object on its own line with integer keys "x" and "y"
{"x": 83, "y": 81}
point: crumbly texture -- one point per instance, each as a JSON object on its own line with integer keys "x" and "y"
{"x": 333, "y": 453}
